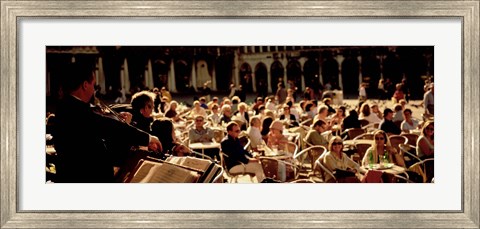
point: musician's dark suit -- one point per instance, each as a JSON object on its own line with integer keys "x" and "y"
{"x": 80, "y": 142}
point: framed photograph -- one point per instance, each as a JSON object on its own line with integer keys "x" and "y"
{"x": 28, "y": 27}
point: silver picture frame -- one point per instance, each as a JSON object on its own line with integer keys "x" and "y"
{"x": 12, "y": 11}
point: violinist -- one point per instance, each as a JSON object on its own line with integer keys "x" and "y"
{"x": 142, "y": 107}
{"x": 82, "y": 135}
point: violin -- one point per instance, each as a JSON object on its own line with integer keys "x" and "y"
{"x": 103, "y": 109}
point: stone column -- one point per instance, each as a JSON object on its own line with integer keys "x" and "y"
{"x": 101, "y": 76}
{"x": 214, "y": 76}
{"x": 360, "y": 78}
{"x": 340, "y": 59}
{"x": 236, "y": 70}
{"x": 171, "y": 78}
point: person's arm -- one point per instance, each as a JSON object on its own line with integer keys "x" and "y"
{"x": 351, "y": 164}
{"x": 423, "y": 144}
{"x": 329, "y": 162}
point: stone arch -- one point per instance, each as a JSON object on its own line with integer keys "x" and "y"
{"x": 277, "y": 72}
{"x": 350, "y": 71}
{"x": 294, "y": 73}
{"x": 311, "y": 73}
{"x": 182, "y": 75}
{"x": 160, "y": 70}
{"x": 261, "y": 74}
{"x": 330, "y": 70}
{"x": 245, "y": 74}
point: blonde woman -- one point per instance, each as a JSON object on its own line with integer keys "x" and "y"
{"x": 380, "y": 150}
{"x": 336, "y": 160}
{"x": 425, "y": 146}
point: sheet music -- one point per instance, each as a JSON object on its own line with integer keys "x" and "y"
{"x": 172, "y": 174}
{"x": 192, "y": 162}
{"x": 154, "y": 172}
{"x": 196, "y": 163}
{"x": 143, "y": 172}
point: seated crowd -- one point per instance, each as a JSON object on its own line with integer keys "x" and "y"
{"x": 269, "y": 123}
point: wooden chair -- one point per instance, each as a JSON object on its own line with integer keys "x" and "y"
{"x": 354, "y": 132}
{"x": 324, "y": 171}
{"x": 303, "y": 181}
{"x": 271, "y": 168}
{"x": 218, "y": 135}
{"x": 291, "y": 148}
{"x": 313, "y": 152}
{"x": 368, "y": 136}
{"x": 412, "y": 138}
{"x": 245, "y": 141}
{"x": 363, "y": 122}
{"x": 371, "y": 127}
{"x": 233, "y": 177}
{"x": 424, "y": 168}
{"x": 409, "y": 154}
{"x": 396, "y": 140}
{"x": 361, "y": 149}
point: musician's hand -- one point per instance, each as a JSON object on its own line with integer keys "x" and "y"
{"x": 126, "y": 116}
{"x": 155, "y": 144}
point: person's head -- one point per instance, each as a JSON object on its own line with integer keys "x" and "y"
{"x": 428, "y": 129}
{"x": 227, "y": 101}
{"x": 261, "y": 109}
{"x": 380, "y": 138}
{"x": 276, "y": 128}
{"x": 242, "y": 107}
{"x": 403, "y": 102}
{"x": 196, "y": 104}
{"x": 267, "y": 121}
{"x": 308, "y": 106}
{"x": 259, "y": 100}
{"x": 199, "y": 121}
{"x": 286, "y": 109}
{"x": 398, "y": 107}
{"x": 341, "y": 111}
{"x": 323, "y": 111}
{"x": 155, "y": 90}
{"x": 233, "y": 129}
{"x": 161, "y": 127}
{"x": 365, "y": 109}
{"x": 398, "y": 86}
{"x": 388, "y": 114}
{"x": 227, "y": 110}
{"x": 142, "y": 102}
{"x": 165, "y": 99}
{"x": 327, "y": 101}
{"x": 173, "y": 105}
{"x": 374, "y": 108}
{"x": 320, "y": 126}
{"x": 80, "y": 81}
{"x": 255, "y": 121}
{"x": 407, "y": 114}
{"x": 235, "y": 100}
{"x": 163, "y": 89}
{"x": 202, "y": 100}
{"x": 335, "y": 145}
{"x": 215, "y": 99}
{"x": 353, "y": 113}
{"x": 269, "y": 113}
{"x": 215, "y": 108}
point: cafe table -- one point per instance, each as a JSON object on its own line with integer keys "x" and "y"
{"x": 204, "y": 145}
{"x": 387, "y": 168}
